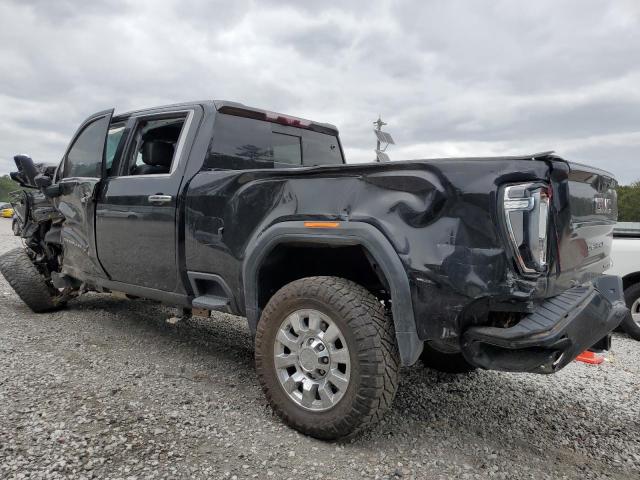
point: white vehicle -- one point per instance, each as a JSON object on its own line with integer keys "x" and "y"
{"x": 625, "y": 255}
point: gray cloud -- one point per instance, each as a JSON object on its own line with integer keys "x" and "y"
{"x": 451, "y": 78}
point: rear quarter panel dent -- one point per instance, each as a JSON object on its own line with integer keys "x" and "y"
{"x": 439, "y": 216}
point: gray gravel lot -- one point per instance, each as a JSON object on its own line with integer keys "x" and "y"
{"x": 107, "y": 389}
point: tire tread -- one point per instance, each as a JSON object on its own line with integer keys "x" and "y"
{"x": 26, "y": 280}
{"x": 631, "y": 294}
{"x": 376, "y": 348}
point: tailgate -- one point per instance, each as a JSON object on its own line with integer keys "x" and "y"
{"x": 593, "y": 213}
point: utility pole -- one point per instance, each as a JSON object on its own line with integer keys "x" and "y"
{"x": 379, "y": 124}
{"x": 382, "y": 137}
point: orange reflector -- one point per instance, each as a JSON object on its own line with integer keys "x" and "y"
{"x": 322, "y": 224}
{"x": 589, "y": 357}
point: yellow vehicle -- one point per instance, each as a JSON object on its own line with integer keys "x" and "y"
{"x": 6, "y": 212}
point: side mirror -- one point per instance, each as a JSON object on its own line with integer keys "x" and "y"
{"x": 53, "y": 191}
{"x": 46, "y": 186}
{"x": 42, "y": 181}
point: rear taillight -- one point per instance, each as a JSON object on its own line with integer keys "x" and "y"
{"x": 526, "y": 216}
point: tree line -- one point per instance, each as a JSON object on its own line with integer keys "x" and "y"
{"x": 7, "y": 185}
{"x": 629, "y": 202}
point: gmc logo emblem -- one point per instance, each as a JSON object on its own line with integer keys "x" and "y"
{"x": 602, "y": 205}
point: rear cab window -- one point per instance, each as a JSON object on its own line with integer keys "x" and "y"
{"x": 287, "y": 149}
{"x": 321, "y": 149}
{"x": 241, "y": 143}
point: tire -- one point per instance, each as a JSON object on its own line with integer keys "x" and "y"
{"x": 371, "y": 352}
{"x": 15, "y": 226}
{"x": 445, "y": 362}
{"x": 632, "y": 299}
{"x": 28, "y": 283}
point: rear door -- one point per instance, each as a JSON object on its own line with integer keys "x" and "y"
{"x": 80, "y": 172}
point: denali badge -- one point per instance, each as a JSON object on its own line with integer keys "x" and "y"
{"x": 602, "y": 205}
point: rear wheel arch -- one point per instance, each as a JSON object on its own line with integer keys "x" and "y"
{"x": 350, "y": 234}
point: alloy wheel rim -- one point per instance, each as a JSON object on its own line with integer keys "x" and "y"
{"x": 312, "y": 360}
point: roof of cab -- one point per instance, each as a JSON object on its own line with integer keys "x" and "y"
{"x": 222, "y": 105}
{"x": 226, "y": 106}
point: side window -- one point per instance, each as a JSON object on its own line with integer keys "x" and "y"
{"x": 287, "y": 150}
{"x": 85, "y": 155}
{"x": 114, "y": 136}
{"x": 320, "y": 149}
{"x": 154, "y": 145}
{"x": 240, "y": 143}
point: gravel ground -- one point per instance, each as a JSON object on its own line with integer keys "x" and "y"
{"x": 107, "y": 389}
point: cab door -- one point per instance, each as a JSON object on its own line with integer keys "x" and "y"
{"x": 137, "y": 207}
{"x": 79, "y": 173}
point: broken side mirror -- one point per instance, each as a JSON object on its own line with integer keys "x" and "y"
{"x": 47, "y": 187}
{"x": 52, "y": 191}
{"x": 30, "y": 175}
{"x": 42, "y": 181}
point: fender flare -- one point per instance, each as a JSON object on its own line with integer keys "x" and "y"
{"x": 349, "y": 233}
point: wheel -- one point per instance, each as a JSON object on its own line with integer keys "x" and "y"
{"x": 326, "y": 357}
{"x": 15, "y": 226}
{"x": 631, "y": 323}
{"x": 26, "y": 280}
{"x": 445, "y": 362}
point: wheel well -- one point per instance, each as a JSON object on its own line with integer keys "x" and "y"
{"x": 630, "y": 279}
{"x": 290, "y": 261}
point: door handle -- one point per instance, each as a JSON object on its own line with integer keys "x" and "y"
{"x": 159, "y": 198}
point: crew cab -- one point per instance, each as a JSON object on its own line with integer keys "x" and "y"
{"x": 344, "y": 272}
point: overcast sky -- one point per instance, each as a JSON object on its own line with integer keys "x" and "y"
{"x": 451, "y": 78}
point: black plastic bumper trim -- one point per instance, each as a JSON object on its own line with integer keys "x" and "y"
{"x": 554, "y": 334}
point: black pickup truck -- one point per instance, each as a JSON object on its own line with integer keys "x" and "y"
{"x": 345, "y": 273}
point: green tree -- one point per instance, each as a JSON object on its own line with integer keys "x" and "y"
{"x": 629, "y": 202}
{"x": 7, "y": 185}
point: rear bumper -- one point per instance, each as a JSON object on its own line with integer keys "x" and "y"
{"x": 554, "y": 334}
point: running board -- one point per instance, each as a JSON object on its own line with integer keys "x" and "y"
{"x": 211, "y": 302}
{"x": 211, "y": 292}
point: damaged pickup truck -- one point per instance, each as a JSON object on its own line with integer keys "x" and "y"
{"x": 345, "y": 273}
